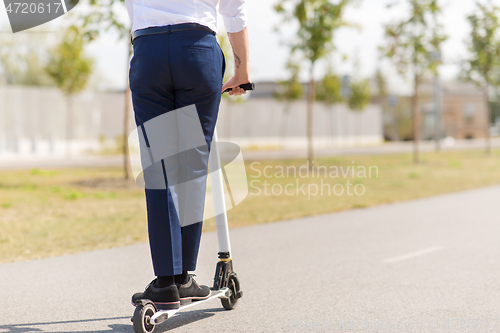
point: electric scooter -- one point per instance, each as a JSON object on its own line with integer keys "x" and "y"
{"x": 226, "y": 285}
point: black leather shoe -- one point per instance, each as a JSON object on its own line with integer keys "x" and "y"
{"x": 164, "y": 298}
{"x": 191, "y": 291}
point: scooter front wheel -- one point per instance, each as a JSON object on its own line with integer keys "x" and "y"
{"x": 142, "y": 318}
{"x": 235, "y": 293}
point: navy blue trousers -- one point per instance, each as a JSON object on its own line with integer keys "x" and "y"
{"x": 169, "y": 71}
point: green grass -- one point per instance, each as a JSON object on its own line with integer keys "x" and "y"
{"x": 398, "y": 180}
{"x": 68, "y": 210}
{"x": 52, "y": 212}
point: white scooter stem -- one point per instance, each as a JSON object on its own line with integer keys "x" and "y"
{"x": 217, "y": 181}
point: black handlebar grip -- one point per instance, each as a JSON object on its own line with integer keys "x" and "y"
{"x": 244, "y": 86}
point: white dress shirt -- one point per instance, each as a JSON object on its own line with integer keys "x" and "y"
{"x": 153, "y": 13}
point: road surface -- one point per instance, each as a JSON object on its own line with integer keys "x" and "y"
{"x": 429, "y": 265}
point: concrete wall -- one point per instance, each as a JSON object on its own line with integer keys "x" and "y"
{"x": 267, "y": 122}
{"x": 33, "y": 121}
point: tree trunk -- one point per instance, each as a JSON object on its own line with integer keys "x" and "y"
{"x": 126, "y": 120}
{"x": 360, "y": 128}
{"x": 437, "y": 107}
{"x": 310, "y": 109}
{"x": 488, "y": 119}
{"x": 416, "y": 122}
{"x": 284, "y": 122}
{"x": 69, "y": 125}
{"x": 332, "y": 125}
{"x": 339, "y": 128}
{"x": 395, "y": 119}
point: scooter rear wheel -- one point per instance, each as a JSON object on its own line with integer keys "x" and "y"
{"x": 142, "y": 318}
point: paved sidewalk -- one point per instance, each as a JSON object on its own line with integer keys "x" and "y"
{"x": 384, "y": 149}
{"x": 422, "y": 266}
{"x": 45, "y": 162}
{"x": 40, "y": 162}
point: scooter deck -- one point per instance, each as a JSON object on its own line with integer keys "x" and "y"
{"x": 161, "y": 315}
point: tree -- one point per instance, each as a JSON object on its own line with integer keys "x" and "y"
{"x": 388, "y": 104}
{"x": 317, "y": 21}
{"x": 329, "y": 91}
{"x": 409, "y": 44}
{"x": 100, "y": 17}
{"x": 23, "y": 59}
{"x": 381, "y": 83}
{"x": 70, "y": 68}
{"x": 483, "y": 65}
{"x": 289, "y": 90}
{"x": 359, "y": 91}
{"x": 360, "y": 96}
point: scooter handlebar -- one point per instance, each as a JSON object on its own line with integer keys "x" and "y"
{"x": 244, "y": 86}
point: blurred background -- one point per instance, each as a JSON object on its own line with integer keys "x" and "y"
{"x": 409, "y": 87}
{"x": 34, "y": 108}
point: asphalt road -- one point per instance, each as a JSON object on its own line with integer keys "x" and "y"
{"x": 430, "y": 265}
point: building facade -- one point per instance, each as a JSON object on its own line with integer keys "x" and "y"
{"x": 463, "y": 108}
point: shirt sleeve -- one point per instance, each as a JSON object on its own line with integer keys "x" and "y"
{"x": 234, "y": 14}
{"x": 130, "y": 9}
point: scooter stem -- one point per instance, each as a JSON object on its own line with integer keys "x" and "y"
{"x": 216, "y": 179}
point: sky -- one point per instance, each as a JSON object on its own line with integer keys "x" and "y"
{"x": 268, "y": 53}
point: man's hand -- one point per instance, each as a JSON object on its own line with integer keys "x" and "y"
{"x": 239, "y": 44}
{"x": 234, "y": 84}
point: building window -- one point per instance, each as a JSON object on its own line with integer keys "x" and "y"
{"x": 469, "y": 112}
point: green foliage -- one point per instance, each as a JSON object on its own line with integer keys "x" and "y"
{"x": 43, "y": 173}
{"x": 35, "y": 74}
{"x": 360, "y": 94}
{"x": 483, "y": 65}
{"x": 105, "y": 195}
{"x": 7, "y": 204}
{"x": 68, "y": 65}
{"x": 291, "y": 89}
{"x": 318, "y": 20}
{"x": 411, "y": 42}
{"x": 359, "y": 88}
{"x": 103, "y": 17}
{"x": 329, "y": 89}
{"x": 381, "y": 83}
{"x": 74, "y": 195}
{"x": 413, "y": 175}
{"x": 23, "y": 59}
